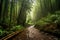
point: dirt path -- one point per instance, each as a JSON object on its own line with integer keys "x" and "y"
{"x": 32, "y": 33}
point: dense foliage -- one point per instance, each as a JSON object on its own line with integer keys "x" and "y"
{"x": 4, "y": 32}
{"x": 50, "y": 23}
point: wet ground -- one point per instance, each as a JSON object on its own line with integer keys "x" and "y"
{"x": 32, "y": 33}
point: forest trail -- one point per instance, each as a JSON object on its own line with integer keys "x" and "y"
{"x": 32, "y": 33}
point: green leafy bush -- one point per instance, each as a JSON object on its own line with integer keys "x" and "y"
{"x": 51, "y": 18}
{"x": 18, "y": 27}
{"x": 4, "y": 32}
{"x": 49, "y": 23}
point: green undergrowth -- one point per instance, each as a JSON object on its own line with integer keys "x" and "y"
{"x": 50, "y": 23}
{"x": 4, "y": 32}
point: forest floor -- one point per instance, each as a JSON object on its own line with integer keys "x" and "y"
{"x": 32, "y": 33}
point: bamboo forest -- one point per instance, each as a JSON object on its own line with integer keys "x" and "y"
{"x": 29, "y": 19}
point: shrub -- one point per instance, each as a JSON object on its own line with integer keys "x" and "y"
{"x": 49, "y": 23}
{"x": 4, "y": 32}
